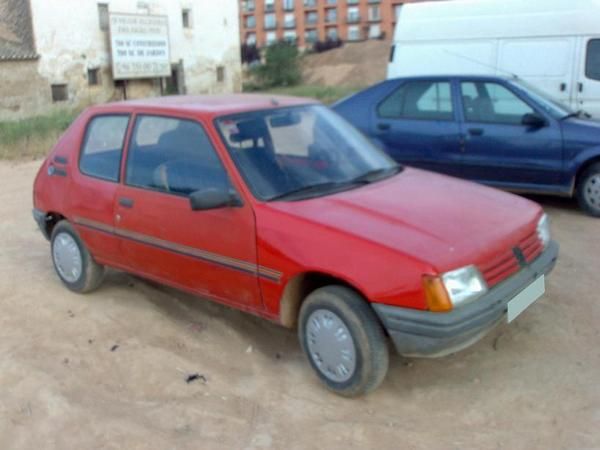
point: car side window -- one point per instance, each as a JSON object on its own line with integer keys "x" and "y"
{"x": 174, "y": 156}
{"x": 421, "y": 100}
{"x": 592, "y": 60}
{"x": 492, "y": 103}
{"x": 103, "y": 145}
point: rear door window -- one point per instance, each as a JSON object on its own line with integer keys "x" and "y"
{"x": 421, "y": 100}
{"x": 174, "y": 156}
{"x": 592, "y": 60}
{"x": 103, "y": 146}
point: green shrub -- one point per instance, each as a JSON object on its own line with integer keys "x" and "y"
{"x": 281, "y": 67}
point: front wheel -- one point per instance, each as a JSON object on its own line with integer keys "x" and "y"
{"x": 72, "y": 261}
{"x": 343, "y": 340}
{"x": 588, "y": 190}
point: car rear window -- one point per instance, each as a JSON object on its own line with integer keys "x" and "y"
{"x": 592, "y": 60}
{"x": 421, "y": 100}
{"x": 103, "y": 146}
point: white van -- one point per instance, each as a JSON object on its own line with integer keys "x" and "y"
{"x": 553, "y": 44}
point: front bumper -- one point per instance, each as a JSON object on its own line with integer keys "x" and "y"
{"x": 430, "y": 334}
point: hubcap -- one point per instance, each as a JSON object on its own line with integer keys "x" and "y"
{"x": 591, "y": 191}
{"x": 330, "y": 345}
{"x": 67, "y": 257}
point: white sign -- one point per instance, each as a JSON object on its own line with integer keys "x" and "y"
{"x": 139, "y": 46}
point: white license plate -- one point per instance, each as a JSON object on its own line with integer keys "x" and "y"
{"x": 525, "y": 298}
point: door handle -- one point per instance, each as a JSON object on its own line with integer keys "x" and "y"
{"x": 383, "y": 126}
{"x": 475, "y": 131}
{"x": 580, "y": 86}
{"x": 126, "y": 202}
{"x": 563, "y": 87}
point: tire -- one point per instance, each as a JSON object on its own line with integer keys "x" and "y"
{"x": 588, "y": 190}
{"x": 72, "y": 261}
{"x": 337, "y": 326}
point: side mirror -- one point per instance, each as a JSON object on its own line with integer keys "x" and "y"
{"x": 213, "y": 199}
{"x": 533, "y": 120}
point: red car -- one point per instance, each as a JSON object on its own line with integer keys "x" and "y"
{"x": 279, "y": 207}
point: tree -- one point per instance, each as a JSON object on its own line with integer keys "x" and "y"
{"x": 281, "y": 67}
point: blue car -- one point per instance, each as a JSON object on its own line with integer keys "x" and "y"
{"x": 493, "y": 130}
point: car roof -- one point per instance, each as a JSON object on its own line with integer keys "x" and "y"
{"x": 214, "y": 105}
{"x": 445, "y": 77}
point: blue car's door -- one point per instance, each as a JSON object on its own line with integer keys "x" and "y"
{"x": 498, "y": 148}
{"x": 416, "y": 124}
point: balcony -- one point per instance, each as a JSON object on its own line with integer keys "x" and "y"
{"x": 289, "y": 24}
{"x": 271, "y": 25}
{"x": 269, "y": 7}
{"x": 354, "y": 18}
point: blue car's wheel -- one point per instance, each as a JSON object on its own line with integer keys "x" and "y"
{"x": 588, "y": 190}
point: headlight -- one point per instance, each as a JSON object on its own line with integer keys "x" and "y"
{"x": 454, "y": 288}
{"x": 464, "y": 285}
{"x": 543, "y": 230}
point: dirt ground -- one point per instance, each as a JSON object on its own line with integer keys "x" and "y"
{"x": 354, "y": 64}
{"x": 107, "y": 370}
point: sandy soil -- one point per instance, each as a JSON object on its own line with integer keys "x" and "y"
{"x": 531, "y": 385}
{"x": 354, "y": 64}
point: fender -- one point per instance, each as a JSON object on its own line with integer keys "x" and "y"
{"x": 574, "y": 164}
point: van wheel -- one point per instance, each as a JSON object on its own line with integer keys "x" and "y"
{"x": 588, "y": 190}
{"x": 72, "y": 261}
{"x": 343, "y": 340}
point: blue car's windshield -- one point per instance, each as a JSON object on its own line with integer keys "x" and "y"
{"x": 553, "y": 107}
{"x": 301, "y": 152}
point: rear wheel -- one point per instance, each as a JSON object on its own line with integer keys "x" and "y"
{"x": 588, "y": 190}
{"x": 72, "y": 261}
{"x": 343, "y": 340}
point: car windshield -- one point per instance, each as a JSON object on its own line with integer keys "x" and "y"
{"x": 553, "y": 107}
{"x": 301, "y": 152}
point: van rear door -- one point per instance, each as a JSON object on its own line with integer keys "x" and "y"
{"x": 588, "y": 83}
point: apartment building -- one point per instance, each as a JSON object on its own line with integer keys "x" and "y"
{"x": 263, "y": 22}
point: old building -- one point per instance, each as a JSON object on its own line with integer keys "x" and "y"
{"x": 58, "y": 53}
{"x": 306, "y": 21}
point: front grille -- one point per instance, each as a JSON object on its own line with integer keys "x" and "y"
{"x": 507, "y": 264}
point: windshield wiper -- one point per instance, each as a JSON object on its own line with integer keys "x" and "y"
{"x": 578, "y": 113}
{"x": 319, "y": 188}
{"x": 378, "y": 174}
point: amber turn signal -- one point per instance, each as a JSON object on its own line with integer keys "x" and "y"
{"x": 436, "y": 295}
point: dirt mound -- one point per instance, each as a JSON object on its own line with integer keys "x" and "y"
{"x": 354, "y": 64}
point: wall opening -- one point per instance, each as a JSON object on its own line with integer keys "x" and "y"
{"x": 93, "y": 76}
{"x": 59, "y": 92}
{"x": 103, "y": 18}
{"x": 220, "y": 74}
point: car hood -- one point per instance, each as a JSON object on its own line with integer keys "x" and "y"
{"x": 442, "y": 221}
{"x": 581, "y": 130}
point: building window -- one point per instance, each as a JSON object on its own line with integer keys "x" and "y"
{"x": 59, "y": 92}
{"x": 311, "y": 18}
{"x": 374, "y": 31}
{"x": 103, "y": 16}
{"x": 397, "y": 10}
{"x": 331, "y": 15}
{"x": 220, "y": 74}
{"x": 251, "y": 39}
{"x": 269, "y": 5}
{"x": 270, "y": 22}
{"x": 290, "y": 36}
{"x": 311, "y": 36}
{"x": 250, "y": 22}
{"x": 186, "y": 18}
{"x": 310, "y": 3}
{"x": 249, "y": 5}
{"x": 271, "y": 37}
{"x": 352, "y": 2}
{"x": 93, "y": 76}
{"x": 374, "y": 13}
{"x": 332, "y": 33}
{"x": 288, "y": 5}
{"x": 353, "y": 14}
{"x": 289, "y": 20}
{"x": 354, "y": 33}
{"x": 331, "y": 2}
